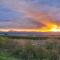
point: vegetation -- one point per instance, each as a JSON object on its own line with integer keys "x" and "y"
{"x": 26, "y": 37}
{"x": 11, "y": 49}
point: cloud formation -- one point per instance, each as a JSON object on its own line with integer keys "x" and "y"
{"x": 29, "y": 14}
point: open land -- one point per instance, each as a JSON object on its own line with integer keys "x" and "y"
{"x": 30, "y": 47}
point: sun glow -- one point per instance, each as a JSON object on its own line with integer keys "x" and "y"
{"x": 52, "y": 28}
{"x": 55, "y": 28}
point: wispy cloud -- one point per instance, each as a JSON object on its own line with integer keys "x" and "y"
{"x": 29, "y": 13}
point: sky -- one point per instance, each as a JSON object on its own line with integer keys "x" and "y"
{"x": 29, "y": 14}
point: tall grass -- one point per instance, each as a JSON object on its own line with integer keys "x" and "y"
{"x": 11, "y": 50}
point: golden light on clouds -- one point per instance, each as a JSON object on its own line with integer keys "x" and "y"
{"x": 53, "y": 28}
{"x": 30, "y": 15}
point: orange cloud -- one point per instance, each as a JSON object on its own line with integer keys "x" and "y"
{"x": 40, "y": 17}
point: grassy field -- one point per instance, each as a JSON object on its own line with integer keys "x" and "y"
{"x": 29, "y": 48}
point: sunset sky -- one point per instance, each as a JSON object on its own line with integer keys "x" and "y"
{"x": 29, "y": 14}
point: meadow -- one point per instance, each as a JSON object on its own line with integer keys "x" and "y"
{"x": 29, "y": 48}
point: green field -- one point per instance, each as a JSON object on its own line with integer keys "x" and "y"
{"x": 29, "y": 48}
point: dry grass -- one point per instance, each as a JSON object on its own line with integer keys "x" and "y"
{"x": 26, "y": 49}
